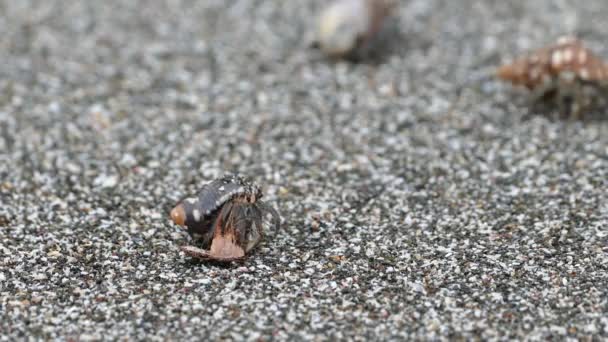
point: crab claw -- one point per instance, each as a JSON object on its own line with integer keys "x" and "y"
{"x": 224, "y": 247}
{"x": 178, "y": 215}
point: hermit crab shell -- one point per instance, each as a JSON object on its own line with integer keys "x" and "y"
{"x": 346, "y": 25}
{"x": 568, "y": 57}
{"x": 197, "y": 214}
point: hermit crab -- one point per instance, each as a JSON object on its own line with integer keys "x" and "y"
{"x": 345, "y": 27}
{"x": 227, "y": 216}
{"x": 565, "y": 71}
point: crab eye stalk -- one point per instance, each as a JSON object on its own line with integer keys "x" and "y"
{"x": 178, "y": 215}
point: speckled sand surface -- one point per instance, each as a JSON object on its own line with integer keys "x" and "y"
{"x": 415, "y": 202}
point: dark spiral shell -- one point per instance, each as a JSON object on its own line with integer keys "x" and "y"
{"x": 202, "y": 209}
